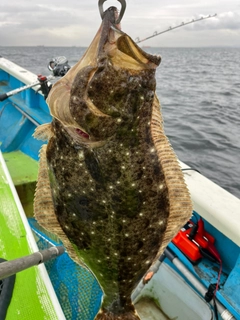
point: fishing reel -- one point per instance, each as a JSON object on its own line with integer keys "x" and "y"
{"x": 59, "y": 66}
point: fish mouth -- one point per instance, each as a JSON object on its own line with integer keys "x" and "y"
{"x": 79, "y": 137}
{"x": 82, "y": 134}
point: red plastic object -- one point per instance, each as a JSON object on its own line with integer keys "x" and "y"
{"x": 187, "y": 246}
{"x": 42, "y": 78}
{"x": 191, "y": 248}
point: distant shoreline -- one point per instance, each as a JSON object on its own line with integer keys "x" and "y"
{"x": 144, "y": 47}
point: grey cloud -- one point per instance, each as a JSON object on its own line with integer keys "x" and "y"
{"x": 44, "y": 16}
{"x": 75, "y": 22}
{"x": 227, "y": 21}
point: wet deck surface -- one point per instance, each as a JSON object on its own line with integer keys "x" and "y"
{"x": 148, "y": 310}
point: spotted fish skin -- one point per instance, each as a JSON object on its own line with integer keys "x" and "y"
{"x": 117, "y": 190}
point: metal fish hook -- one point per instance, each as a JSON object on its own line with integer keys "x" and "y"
{"x": 123, "y": 8}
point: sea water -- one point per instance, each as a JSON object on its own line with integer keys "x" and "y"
{"x": 199, "y": 91}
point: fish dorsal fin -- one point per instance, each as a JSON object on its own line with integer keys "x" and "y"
{"x": 43, "y": 132}
{"x": 179, "y": 197}
{"x": 44, "y": 207}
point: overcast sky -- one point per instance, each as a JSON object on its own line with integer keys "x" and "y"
{"x": 75, "y": 22}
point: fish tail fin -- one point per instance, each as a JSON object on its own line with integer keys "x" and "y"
{"x": 106, "y": 315}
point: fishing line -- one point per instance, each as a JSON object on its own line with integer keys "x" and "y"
{"x": 2, "y": 110}
{"x": 191, "y": 169}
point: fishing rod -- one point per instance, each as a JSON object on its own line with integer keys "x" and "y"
{"x": 59, "y": 67}
{"x": 8, "y": 94}
{"x": 172, "y": 28}
{"x": 45, "y": 87}
{"x": 9, "y": 268}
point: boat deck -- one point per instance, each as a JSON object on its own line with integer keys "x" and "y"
{"x": 23, "y": 171}
{"x": 19, "y": 116}
{"x": 33, "y": 296}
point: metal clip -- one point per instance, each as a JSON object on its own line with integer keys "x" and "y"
{"x": 123, "y": 8}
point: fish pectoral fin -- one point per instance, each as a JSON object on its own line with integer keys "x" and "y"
{"x": 44, "y": 208}
{"x": 43, "y": 132}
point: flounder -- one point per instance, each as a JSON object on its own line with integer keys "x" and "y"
{"x": 109, "y": 184}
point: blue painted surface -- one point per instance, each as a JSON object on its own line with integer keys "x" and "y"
{"x": 207, "y": 272}
{"x": 16, "y": 129}
{"x": 231, "y": 289}
{"x": 227, "y": 249}
{"x": 4, "y": 76}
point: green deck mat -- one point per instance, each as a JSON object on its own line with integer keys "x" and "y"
{"x": 23, "y": 170}
{"x": 30, "y": 296}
